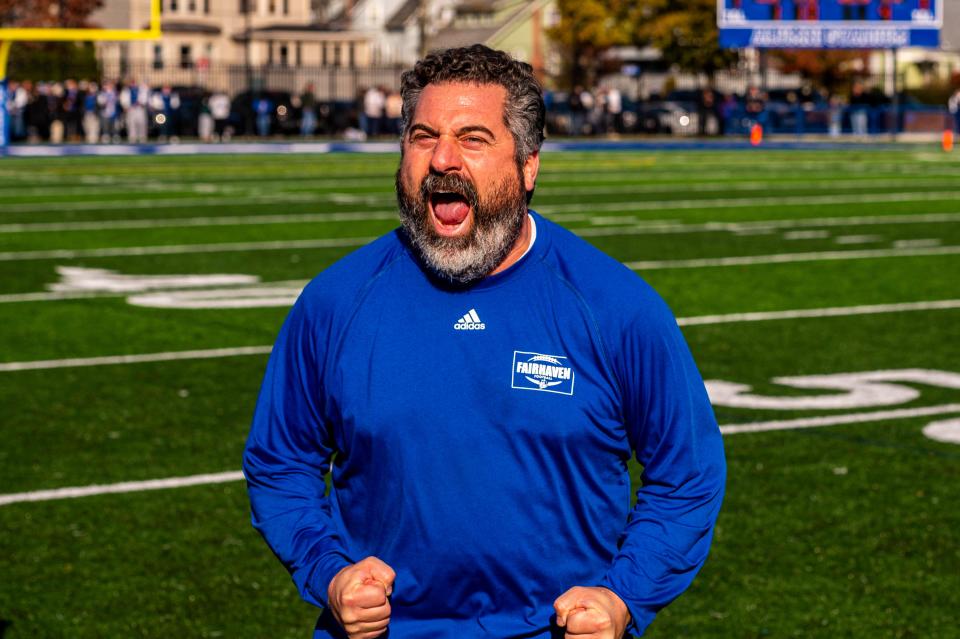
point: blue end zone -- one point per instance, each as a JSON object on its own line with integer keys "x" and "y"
{"x": 283, "y": 148}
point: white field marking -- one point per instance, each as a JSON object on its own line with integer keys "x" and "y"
{"x": 635, "y": 227}
{"x": 857, "y": 239}
{"x": 735, "y": 227}
{"x": 918, "y": 243}
{"x": 835, "y": 420}
{"x": 122, "y": 487}
{"x": 812, "y": 313}
{"x": 75, "y": 279}
{"x": 185, "y": 249}
{"x": 625, "y": 205}
{"x": 79, "y": 295}
{"x": 701, "y": 320}
{"x": 806, "y": 235}
{"x": 247, "y": 297}
{"x": 946, "y": 431}
{"x": 865, "y": 389}
{"x": 184, "y": 202}
{"x": 229, "y": 220}
{"x": 787, "y": 258}
{"x": 210, "y": 353}
{"x": 255, "y": 186}
{"x": 804, "y": 200}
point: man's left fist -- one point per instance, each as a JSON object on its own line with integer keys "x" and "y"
{"x": 591, "y": 613}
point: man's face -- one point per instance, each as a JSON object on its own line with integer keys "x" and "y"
{"x": 462, "y": 196}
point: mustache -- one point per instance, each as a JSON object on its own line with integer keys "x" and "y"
{"x": 449, "y": 183}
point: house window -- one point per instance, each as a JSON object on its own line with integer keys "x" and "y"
{"x": 158, "y": 56}
{"x": 284, "y": 55}
{"x": 323, "y": 55}
{"x": 336, "y": 55}
{"x": 272, "y": 6}
{"x": 286, "y": 7}
{"x": 192, "y": 6}
{"x": 299, "y": 54}
{"x": 351, "y": 55}
{"x": 173, "y": 5}
{"x": 186, "y": 57}
{"x": 206, "y": 7}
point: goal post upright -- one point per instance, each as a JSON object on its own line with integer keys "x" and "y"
{"x": 9, "y": 35}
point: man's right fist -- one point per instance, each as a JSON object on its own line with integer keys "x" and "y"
{"x": 358, "y": 598}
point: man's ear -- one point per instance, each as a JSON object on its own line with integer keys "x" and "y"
{"x": 530, "y": 170}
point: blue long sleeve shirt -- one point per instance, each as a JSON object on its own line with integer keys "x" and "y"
{"x": 478, "y": 440}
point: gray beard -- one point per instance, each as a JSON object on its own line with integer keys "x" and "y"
{"x": 497, "y": 223}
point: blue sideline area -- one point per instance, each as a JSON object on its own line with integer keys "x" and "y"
{"x": 65, "y": 150}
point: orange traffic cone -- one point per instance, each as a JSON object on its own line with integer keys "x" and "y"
{"x": 756, "y": 135}
{"x": 948, "y": 140}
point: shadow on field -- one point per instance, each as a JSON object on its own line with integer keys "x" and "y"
{"x": 4, "y": 626}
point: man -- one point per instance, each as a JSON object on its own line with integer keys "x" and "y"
{"x": 477, "y": 381}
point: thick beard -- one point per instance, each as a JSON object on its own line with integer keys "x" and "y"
{"x": 497, "y": 223}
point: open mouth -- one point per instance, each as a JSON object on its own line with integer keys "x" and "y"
{"x": 450, "y": 209}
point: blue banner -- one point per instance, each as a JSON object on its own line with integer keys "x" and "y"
{"x": 830, "y": 24}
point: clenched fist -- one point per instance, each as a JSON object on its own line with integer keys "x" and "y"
{"x": 591, "y": 613}
{"x": 358, "y": 598}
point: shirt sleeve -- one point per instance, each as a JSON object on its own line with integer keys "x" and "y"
{"x": 674, "y": 435}
{"x": 288, "y": 452}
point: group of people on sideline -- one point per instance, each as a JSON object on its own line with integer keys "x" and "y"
{"x": 132, "y": 111}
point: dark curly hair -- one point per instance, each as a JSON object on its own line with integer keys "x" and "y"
{"x": 523, "y": 112}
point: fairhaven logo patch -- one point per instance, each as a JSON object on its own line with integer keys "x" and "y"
{"x": 539, "y": 372}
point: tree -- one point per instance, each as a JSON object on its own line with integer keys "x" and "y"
{"x": 49, "y": 60}
{"x": 587, "y": 29}
{"x": 685, "y": 32}
{"x": 830, "y": 69}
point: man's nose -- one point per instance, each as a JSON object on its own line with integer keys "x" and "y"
{"x": 446, "y": 155}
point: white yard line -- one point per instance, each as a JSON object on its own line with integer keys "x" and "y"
{"x": 786, "y": 258}
{"x": 231, "y": 476}
{"x": 122, "y": 487}
{"x": 74, "y": 362}
{"x": 637, "y": 227}
{"x": 834, "y": 420}
{"x": 701, "y": 320}
{"x": 183, "y": 249}
{"x": 809, "y": 313}
{"x": 368, "y": 199}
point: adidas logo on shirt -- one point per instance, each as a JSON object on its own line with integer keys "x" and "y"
{"x": 470, "y": 322}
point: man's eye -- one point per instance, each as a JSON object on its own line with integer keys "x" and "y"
{"x": 473, "y": 140}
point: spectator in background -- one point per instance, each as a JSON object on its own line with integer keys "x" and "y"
{"x": 726, "y": 112}
{"x": 91, "y": 117}
{"x": 108, "y": 103}
{"x": 953, "y": 104}
{"x": 836, "y": 116}
{"x": 71, "y": 107}
{"x": 220, "y": 110}
{"x": 37, "y": 114}
{"x": 392, "y": 110}
{"x": 577, "y": 110}
{"x": 859, "y": 106}
{"x": 263, "y": 109}
{"x": 165, "y": 105}
{"x": 614, "y": 110}
{"x": 17, "y": 100}
{"x": 755, "y": 104}
{"x": 55, "y": 106}
{"x": 133, "y": 99}
{"x": 205, "y": 122}
{"x": 373, "y": 105}
{"x": 308, "y": 111}
{"x": 707, "y": 112}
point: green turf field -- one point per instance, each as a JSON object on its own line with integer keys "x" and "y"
{"x": 777, "y": 264}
